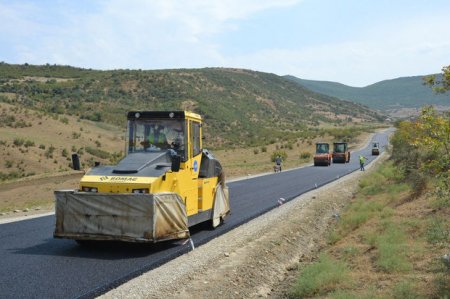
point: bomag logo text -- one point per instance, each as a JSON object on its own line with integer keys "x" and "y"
{"x": 118, "y": 179}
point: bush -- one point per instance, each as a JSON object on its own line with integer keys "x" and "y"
{"x": 18, "y": 141}
{"x": 49, "y": 152}
{"x": 76, "y": 135}
{"x": 358, "y": 213}
{"x": 305, "y": 156}
{"x": 9, "y": 176}
{"x": 321, "y": 277}
{"x": 392, "y": 251}
{"x": 275, "y": 154}
{"x": 97, "y": 152}
{"x": 29, "y": 143}
{"x": 64, "y": 120}
{"x": 438, "y": 231}
{"x": 405, "y": 289}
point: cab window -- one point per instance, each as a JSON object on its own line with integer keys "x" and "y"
{"x": 195, "y": 138}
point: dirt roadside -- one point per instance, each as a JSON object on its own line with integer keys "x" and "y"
{"x": 257, "y": 259}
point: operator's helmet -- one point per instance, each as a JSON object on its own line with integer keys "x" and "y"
{"x": 177, "y": 142}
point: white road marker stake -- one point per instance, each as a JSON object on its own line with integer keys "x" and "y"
{"x": 192, "y": 243}
{"x": 281, "y": 201}
{"x": 315, "y": 185}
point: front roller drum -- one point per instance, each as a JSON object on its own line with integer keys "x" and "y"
{"x": 121, "y": 217}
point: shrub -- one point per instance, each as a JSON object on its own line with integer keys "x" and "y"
{"x": 438, "y": 231}
{"x": 76, "y": 135}
{"x": 263, "y": 149}
{"x": 405, "y": 289}
{"x": 18, "y": 141}
{"x": 49, "y": 152}
{"x": 321, "y": 277}
{"x": 305, "y": 156}
{"x": 256, "y": 151}
{"x": 358, "y": 213}
{"x": 333, "y": 237}
{"x": 392, "y": 251}
{"x": 115, "y": 157}
{"x": 29, "y": 143}
{"x": 97, "y": 152}
{"x": 9, "y": 176}
{"x": 275, "y": 154}
{"x": 64, "y": 120}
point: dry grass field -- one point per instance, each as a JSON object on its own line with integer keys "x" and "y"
{"x": 33, "y": 143}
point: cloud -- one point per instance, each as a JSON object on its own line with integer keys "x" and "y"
{"x": 415, "y": 47}
{"x": 129, "y": 34}
{"x": 188, "y": 34}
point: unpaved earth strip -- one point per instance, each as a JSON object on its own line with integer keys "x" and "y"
{"x": 257, "y": 259}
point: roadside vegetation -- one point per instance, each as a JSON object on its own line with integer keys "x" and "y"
{"x": 393, "y": 240}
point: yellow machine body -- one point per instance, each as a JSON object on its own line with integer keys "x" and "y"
{"x": 165, "y": 169}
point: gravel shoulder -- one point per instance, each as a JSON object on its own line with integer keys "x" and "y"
{"x": 257, "y": 259}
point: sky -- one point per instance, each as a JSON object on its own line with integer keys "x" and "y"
{"x": 354, "y": 42}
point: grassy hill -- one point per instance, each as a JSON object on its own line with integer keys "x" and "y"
{"x": 47, "y": 112}
{"x": 35, "y": 143}
{"x": 405, "y": 92}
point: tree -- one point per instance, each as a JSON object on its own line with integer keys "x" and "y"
{"x": 440, "y": 84}
{"x": 422, "y": 150}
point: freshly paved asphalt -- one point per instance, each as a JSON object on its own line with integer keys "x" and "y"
{"x": 34, "y": 265}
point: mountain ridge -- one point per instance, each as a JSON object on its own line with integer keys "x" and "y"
{"x": 241, "y": 107}
{"x": 386, "y": 95}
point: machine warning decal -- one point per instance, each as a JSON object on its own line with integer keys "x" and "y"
{"x": 195, "y": 165}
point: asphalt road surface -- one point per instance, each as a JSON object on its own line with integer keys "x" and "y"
{"x": 34, "y": 265}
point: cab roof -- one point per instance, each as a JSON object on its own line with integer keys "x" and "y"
{"x": 133, "y": 115}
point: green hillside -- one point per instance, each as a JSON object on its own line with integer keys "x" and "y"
{"x": 405, "y": 92}
{"x": 241, "y": 107}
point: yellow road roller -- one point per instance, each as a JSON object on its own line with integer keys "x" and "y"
{"x": 165, "y": 184}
